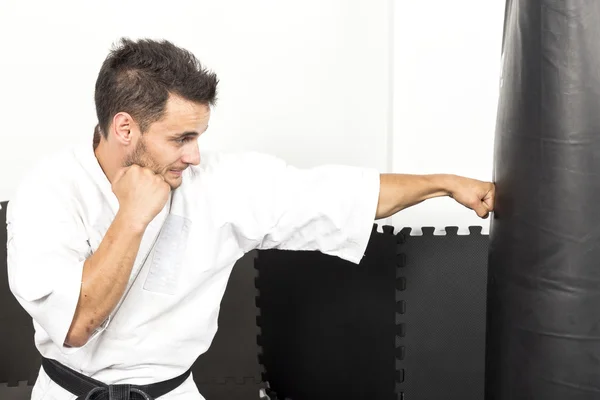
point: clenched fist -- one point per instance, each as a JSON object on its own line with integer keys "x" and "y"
{"x": 142, "y": 194}
{"x": 477, "y": 195}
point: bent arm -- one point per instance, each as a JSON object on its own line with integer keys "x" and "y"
{"x": 104, "y": 279}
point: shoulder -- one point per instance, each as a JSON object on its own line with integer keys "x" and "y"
{"x": 235, "y": 165}
{"x": 214, "y": 161}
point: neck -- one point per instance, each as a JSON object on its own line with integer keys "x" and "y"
{"x": 108, "y": 163}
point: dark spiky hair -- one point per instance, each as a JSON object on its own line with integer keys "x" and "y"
{"x": 137, "y": 77}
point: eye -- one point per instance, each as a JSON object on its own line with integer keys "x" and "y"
{"x": 183, "y": 140}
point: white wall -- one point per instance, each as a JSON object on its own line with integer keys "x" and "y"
{"x": 446, "y": 82}
{"x": 304, "y": 80}
{"x": 317, "y": 81}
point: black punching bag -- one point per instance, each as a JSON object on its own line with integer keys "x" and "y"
{"x": 543, "y": 329}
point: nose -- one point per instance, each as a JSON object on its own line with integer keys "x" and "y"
{"x": 192, "y": 154}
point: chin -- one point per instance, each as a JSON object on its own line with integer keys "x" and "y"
{"x": 174, "y": 183}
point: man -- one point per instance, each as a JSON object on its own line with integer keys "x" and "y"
{"x": 122, "y": 257}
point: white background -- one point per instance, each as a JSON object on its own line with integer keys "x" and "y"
{"x": 403, "y": 86}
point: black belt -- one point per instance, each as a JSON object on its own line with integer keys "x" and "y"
{"x": 87, "y": 388}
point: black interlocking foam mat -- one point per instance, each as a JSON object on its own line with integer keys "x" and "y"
{"x": 19, "y": 359}
{"x": 327, "y": 325}
{"x": 236, "y": 389}
{"x": 232, "y": 357}
{"x": 22, "y": 391}
{"x": 444, "y": 282}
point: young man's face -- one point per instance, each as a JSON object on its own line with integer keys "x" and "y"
{"x": 170, "y": 145}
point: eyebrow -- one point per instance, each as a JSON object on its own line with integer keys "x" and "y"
{"x": 188, "y": 134}
{"x": 184, "y": 134}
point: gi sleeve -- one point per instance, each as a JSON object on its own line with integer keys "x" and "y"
{"x": 330, "y": 208}
{"x": 46, "y": 250}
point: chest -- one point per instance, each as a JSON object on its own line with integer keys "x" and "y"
{"x": 180, "y": 247}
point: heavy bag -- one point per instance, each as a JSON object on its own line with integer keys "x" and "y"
{"x": 543, "y": 326}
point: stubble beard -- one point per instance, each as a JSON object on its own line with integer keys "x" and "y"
{"x": 140, "y": 156}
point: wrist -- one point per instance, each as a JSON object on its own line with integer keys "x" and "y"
{"x": 131, "y": 222}
{"x": 443, "y": 184}
{"x": 451, "y": 184}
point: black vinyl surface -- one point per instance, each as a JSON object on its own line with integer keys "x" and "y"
{"x": 544, "y": 287}
{"x": 328, "y": 326}
{"x": 444, "y": 312}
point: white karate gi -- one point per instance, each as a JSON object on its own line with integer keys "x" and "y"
{"x": 225, "y": 207}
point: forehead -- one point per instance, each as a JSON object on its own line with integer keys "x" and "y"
{"x": 184, "y": 115}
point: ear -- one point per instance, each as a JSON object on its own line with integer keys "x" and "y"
{"x": 124, "y": 128}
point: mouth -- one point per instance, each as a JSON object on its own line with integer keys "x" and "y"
{"x": 176, "y": 172}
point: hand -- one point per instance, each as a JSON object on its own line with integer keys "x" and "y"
{"x": 142, "y": 194}
{"x": 477, "y": 195}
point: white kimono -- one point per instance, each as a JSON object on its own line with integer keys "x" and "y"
{"x": 225, "y": 207}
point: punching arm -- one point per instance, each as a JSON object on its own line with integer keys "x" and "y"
{"x": 400, "y": 191}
